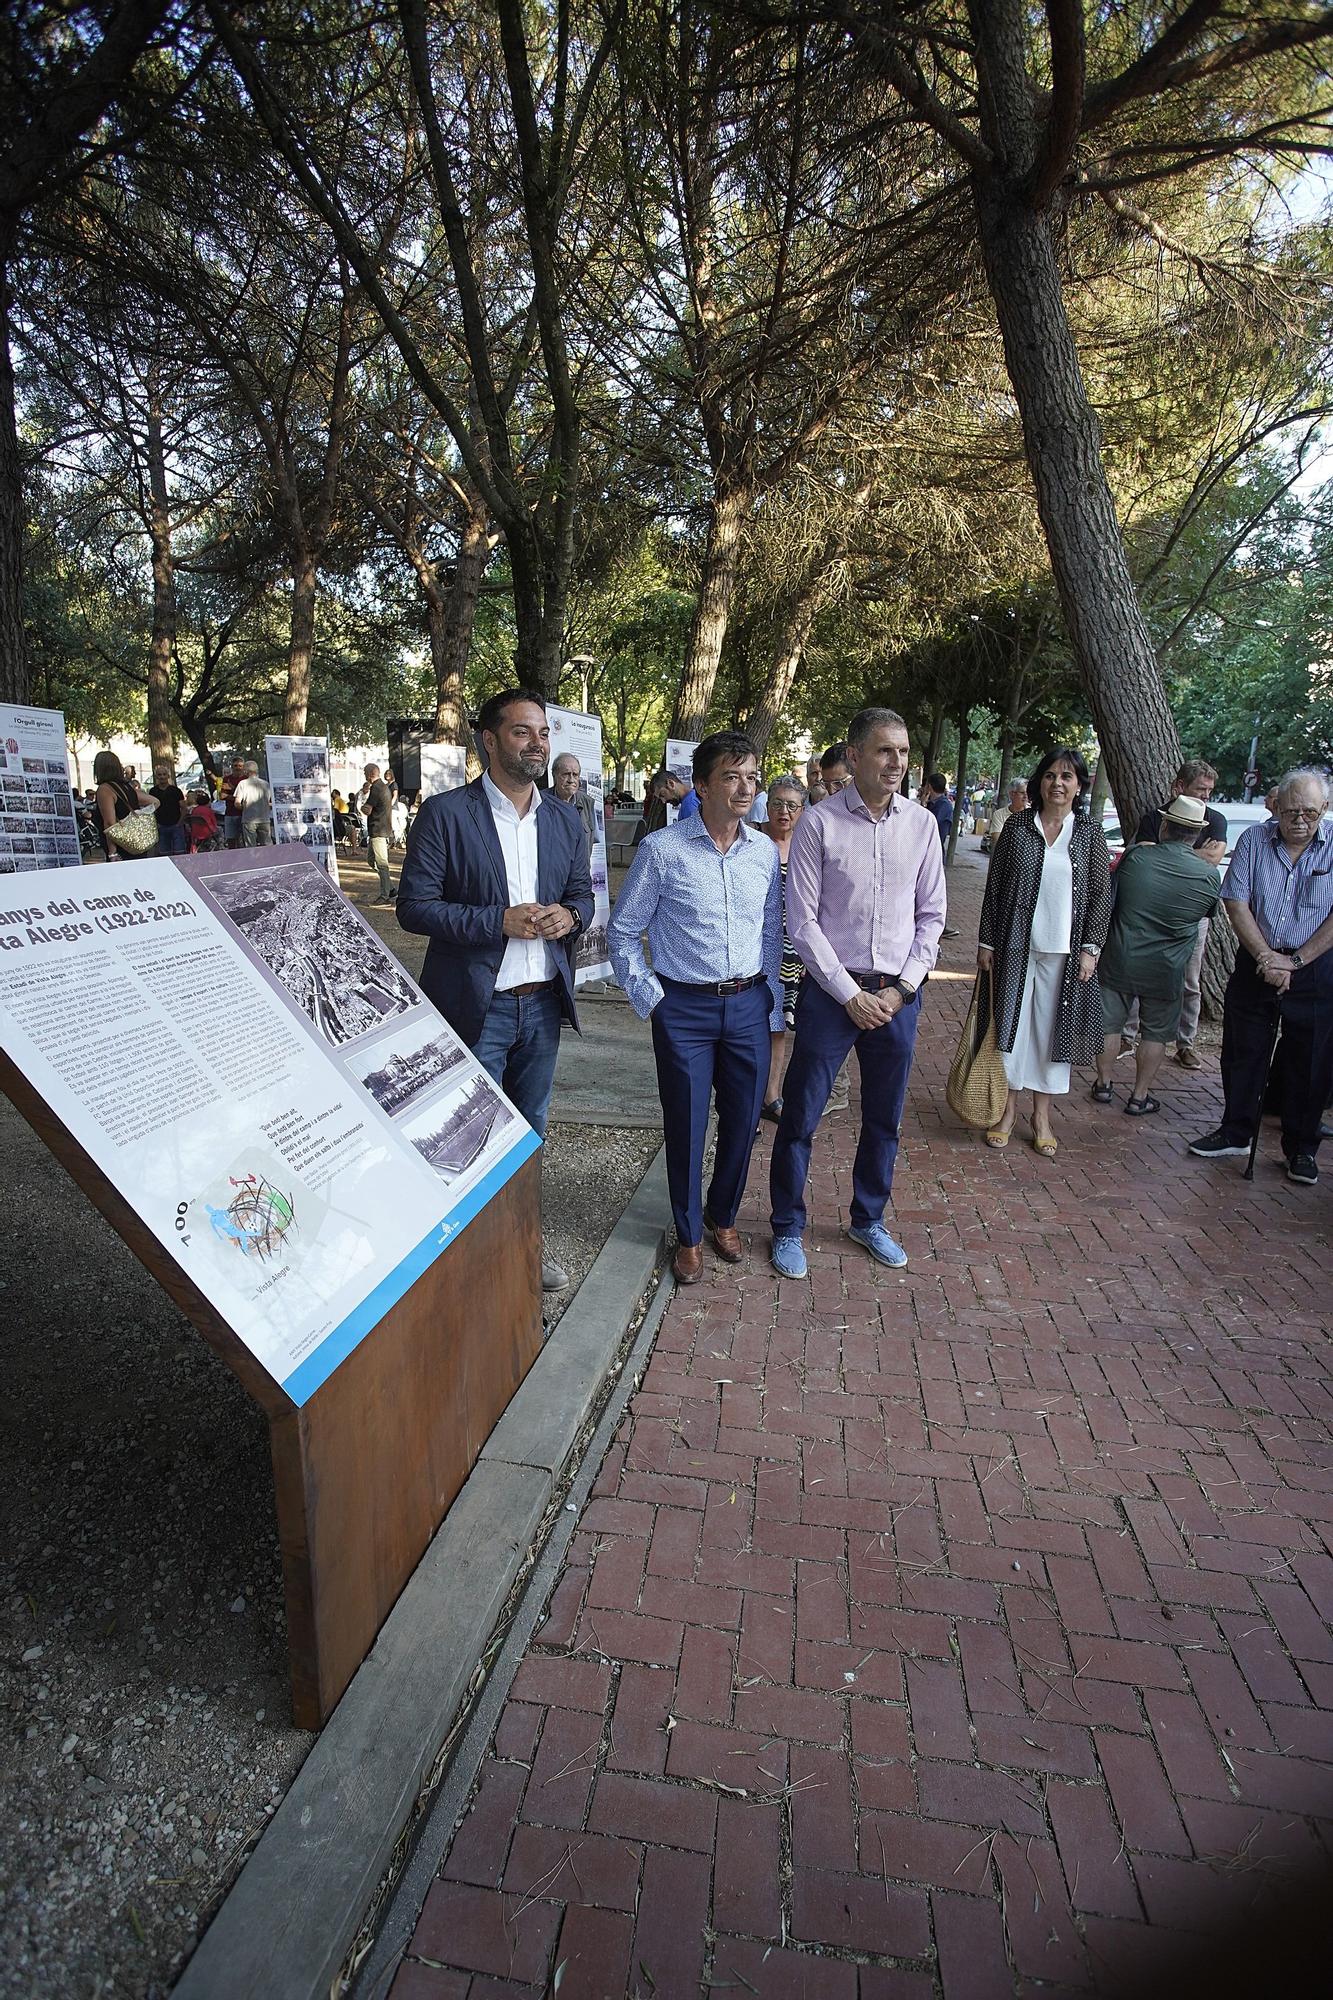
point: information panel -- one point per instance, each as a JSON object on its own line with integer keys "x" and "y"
{"x": 298, "y": 774}
{"x": 37, "y": 824}
{"x": 261, "y": 1081}
{"x": 443, "y": 768}
{"x": 678, "y": 758}
{"x": 572, "y": 730}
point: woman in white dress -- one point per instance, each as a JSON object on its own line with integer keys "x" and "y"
{"x": 1043, "y": 923}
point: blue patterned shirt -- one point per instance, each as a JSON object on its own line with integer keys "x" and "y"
{"x": 708, "y": 916}
{"x": 1288, "y": 901}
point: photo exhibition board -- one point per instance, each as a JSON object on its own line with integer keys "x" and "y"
{"x": 572, "y": 730}
{"x": 298, "y": 776}
{"x": 38, "y": 829}
{"x": 261, "y": 1081}
{"x": 443, "y": 768}
{"x": 678, "y": 758}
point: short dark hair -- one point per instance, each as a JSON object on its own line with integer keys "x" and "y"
{"x": 1192, "y": 770}
{"x": 867, "y": 719}
{"x": 835, "y": 754}
{"x": 1171, "y": 829}
{"x": 715, "y": 749}
{"x": 1063, "y": 753}
{"x": 108, "y": 769}
{"x": 938, "y": 782}
{"x": 493, "y": 708}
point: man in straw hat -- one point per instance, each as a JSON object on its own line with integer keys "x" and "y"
{"x": 1162, "y": 895}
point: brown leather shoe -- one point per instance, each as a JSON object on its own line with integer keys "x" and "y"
{"x": 687, "y": 1263}
{"x": 726, "y": 1242}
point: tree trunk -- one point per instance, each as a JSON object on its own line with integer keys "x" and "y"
{"x": 15, "y": 666}
{"x": 301, "y": 647}
{"x": 788, "y": 651}
{"x": 1101, "y": 786}
{"x": 717, "y": 586}
{"x": 959, "y": 785}
{"x": 459, "y": 618}
{"x": 933, "y": 742}
{"x": 1115, "y": 658}
{"x": 1218, "y": 958}
{"x": 162, "y": 644}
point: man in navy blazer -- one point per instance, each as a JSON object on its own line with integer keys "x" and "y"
{"x": 496, "y": 876}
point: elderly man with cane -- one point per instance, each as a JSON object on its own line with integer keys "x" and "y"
{"x": 1278, "y": 895}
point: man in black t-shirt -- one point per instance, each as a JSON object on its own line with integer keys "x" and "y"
{"x": 172, "y": 837}
{"x": 1194, "y": 780}
{"x": 377, "y": 804}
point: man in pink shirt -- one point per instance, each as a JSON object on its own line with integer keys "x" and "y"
{"x": 865, "y": 909}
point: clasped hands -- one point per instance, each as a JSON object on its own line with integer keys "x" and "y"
{"x": 537, "y": 920}
{"x": 874, "y": 1010}
{"x": 1275, "y": 969}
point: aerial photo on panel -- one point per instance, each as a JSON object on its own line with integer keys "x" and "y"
{"x": 316, "y": 946}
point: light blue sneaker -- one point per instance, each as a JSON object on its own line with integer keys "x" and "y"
{"x": 788, "y": 1256}
{"x": 875, "y": 1238}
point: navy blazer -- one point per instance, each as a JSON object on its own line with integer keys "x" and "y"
{"x": 453, "y": 890}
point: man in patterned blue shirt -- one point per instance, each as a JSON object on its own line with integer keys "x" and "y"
{"x": 708, "y": 893}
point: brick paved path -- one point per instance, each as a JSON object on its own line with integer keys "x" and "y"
{"x": 959, "y": 1632}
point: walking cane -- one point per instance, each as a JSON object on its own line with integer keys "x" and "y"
{"x": 1263, "y": 1092}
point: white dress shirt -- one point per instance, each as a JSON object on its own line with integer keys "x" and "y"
{"x": 1053, "y": 918}
{"x": 525, "y": 959}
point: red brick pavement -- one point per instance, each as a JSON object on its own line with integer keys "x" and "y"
{"x": 960, "y": 1632}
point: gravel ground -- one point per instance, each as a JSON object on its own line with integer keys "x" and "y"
{"x": 143, "y": 1665}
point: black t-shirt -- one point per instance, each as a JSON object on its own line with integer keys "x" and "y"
{"x": 172, "y": 803}
{"x": 1150, "y": 827}
{"x": 379, "y": 811}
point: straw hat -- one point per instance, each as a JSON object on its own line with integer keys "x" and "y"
{"x": 1186, "y": 811}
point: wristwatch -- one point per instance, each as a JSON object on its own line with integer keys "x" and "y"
{"x": 908, "y": 992}
{"x": 1296, "y": 959}
{"x": 578, "y": 921}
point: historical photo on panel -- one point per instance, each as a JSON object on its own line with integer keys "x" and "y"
{"x": 312, "y": 941}
{"x": 454, "y": 1133}
{"x": 402, "y": 1068}
{"x": 312, "y": 765}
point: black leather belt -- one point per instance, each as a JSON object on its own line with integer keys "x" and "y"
{"x": 873, "y": 982}
{"x": 522, "y": 992}
{"x": 723, "y": 986}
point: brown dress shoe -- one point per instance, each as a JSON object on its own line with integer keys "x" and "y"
{"x": 687, "y": 1263}
{"x": 726, "y": 1242}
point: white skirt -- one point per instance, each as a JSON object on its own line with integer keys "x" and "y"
{"x": 1028, "y": 1066}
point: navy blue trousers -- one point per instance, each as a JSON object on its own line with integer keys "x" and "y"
{"x": 710, "y": 1045}
{"x": 824, "y": 1037}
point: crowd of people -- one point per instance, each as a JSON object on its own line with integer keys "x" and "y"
{"x": 769, "y": 937}
{"x": 824, "y": 943}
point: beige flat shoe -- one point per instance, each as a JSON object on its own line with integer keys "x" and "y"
{"x": 997, "y": 1138}
{"x": 1045, "y": 1148}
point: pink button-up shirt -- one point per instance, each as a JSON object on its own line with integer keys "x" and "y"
{"x": 865, "y": 895}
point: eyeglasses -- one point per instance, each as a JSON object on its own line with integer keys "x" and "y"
{"x": 1301, "y": 812}
{"x": 784, "y": 805}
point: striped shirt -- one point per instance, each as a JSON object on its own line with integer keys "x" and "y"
{"x": 708, "y": 916}
{"x": 1288, "y": 900}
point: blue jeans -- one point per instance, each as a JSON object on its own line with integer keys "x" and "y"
{"x": 709, "y": 1045}
{"x": 824, "y": 1037}
{"x": 517, "y": 1047}
{"x": 172, "y": 840}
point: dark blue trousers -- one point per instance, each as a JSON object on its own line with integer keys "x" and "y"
{"x": 710, "y": 1045}
{"x": 824, "y": 1037}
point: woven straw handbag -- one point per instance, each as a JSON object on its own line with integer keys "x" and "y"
{"x": 136, "y": 834}
{"x": 977, "y": 1090}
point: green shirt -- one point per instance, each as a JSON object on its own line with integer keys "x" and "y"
{"x": 1161, "y": 894}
